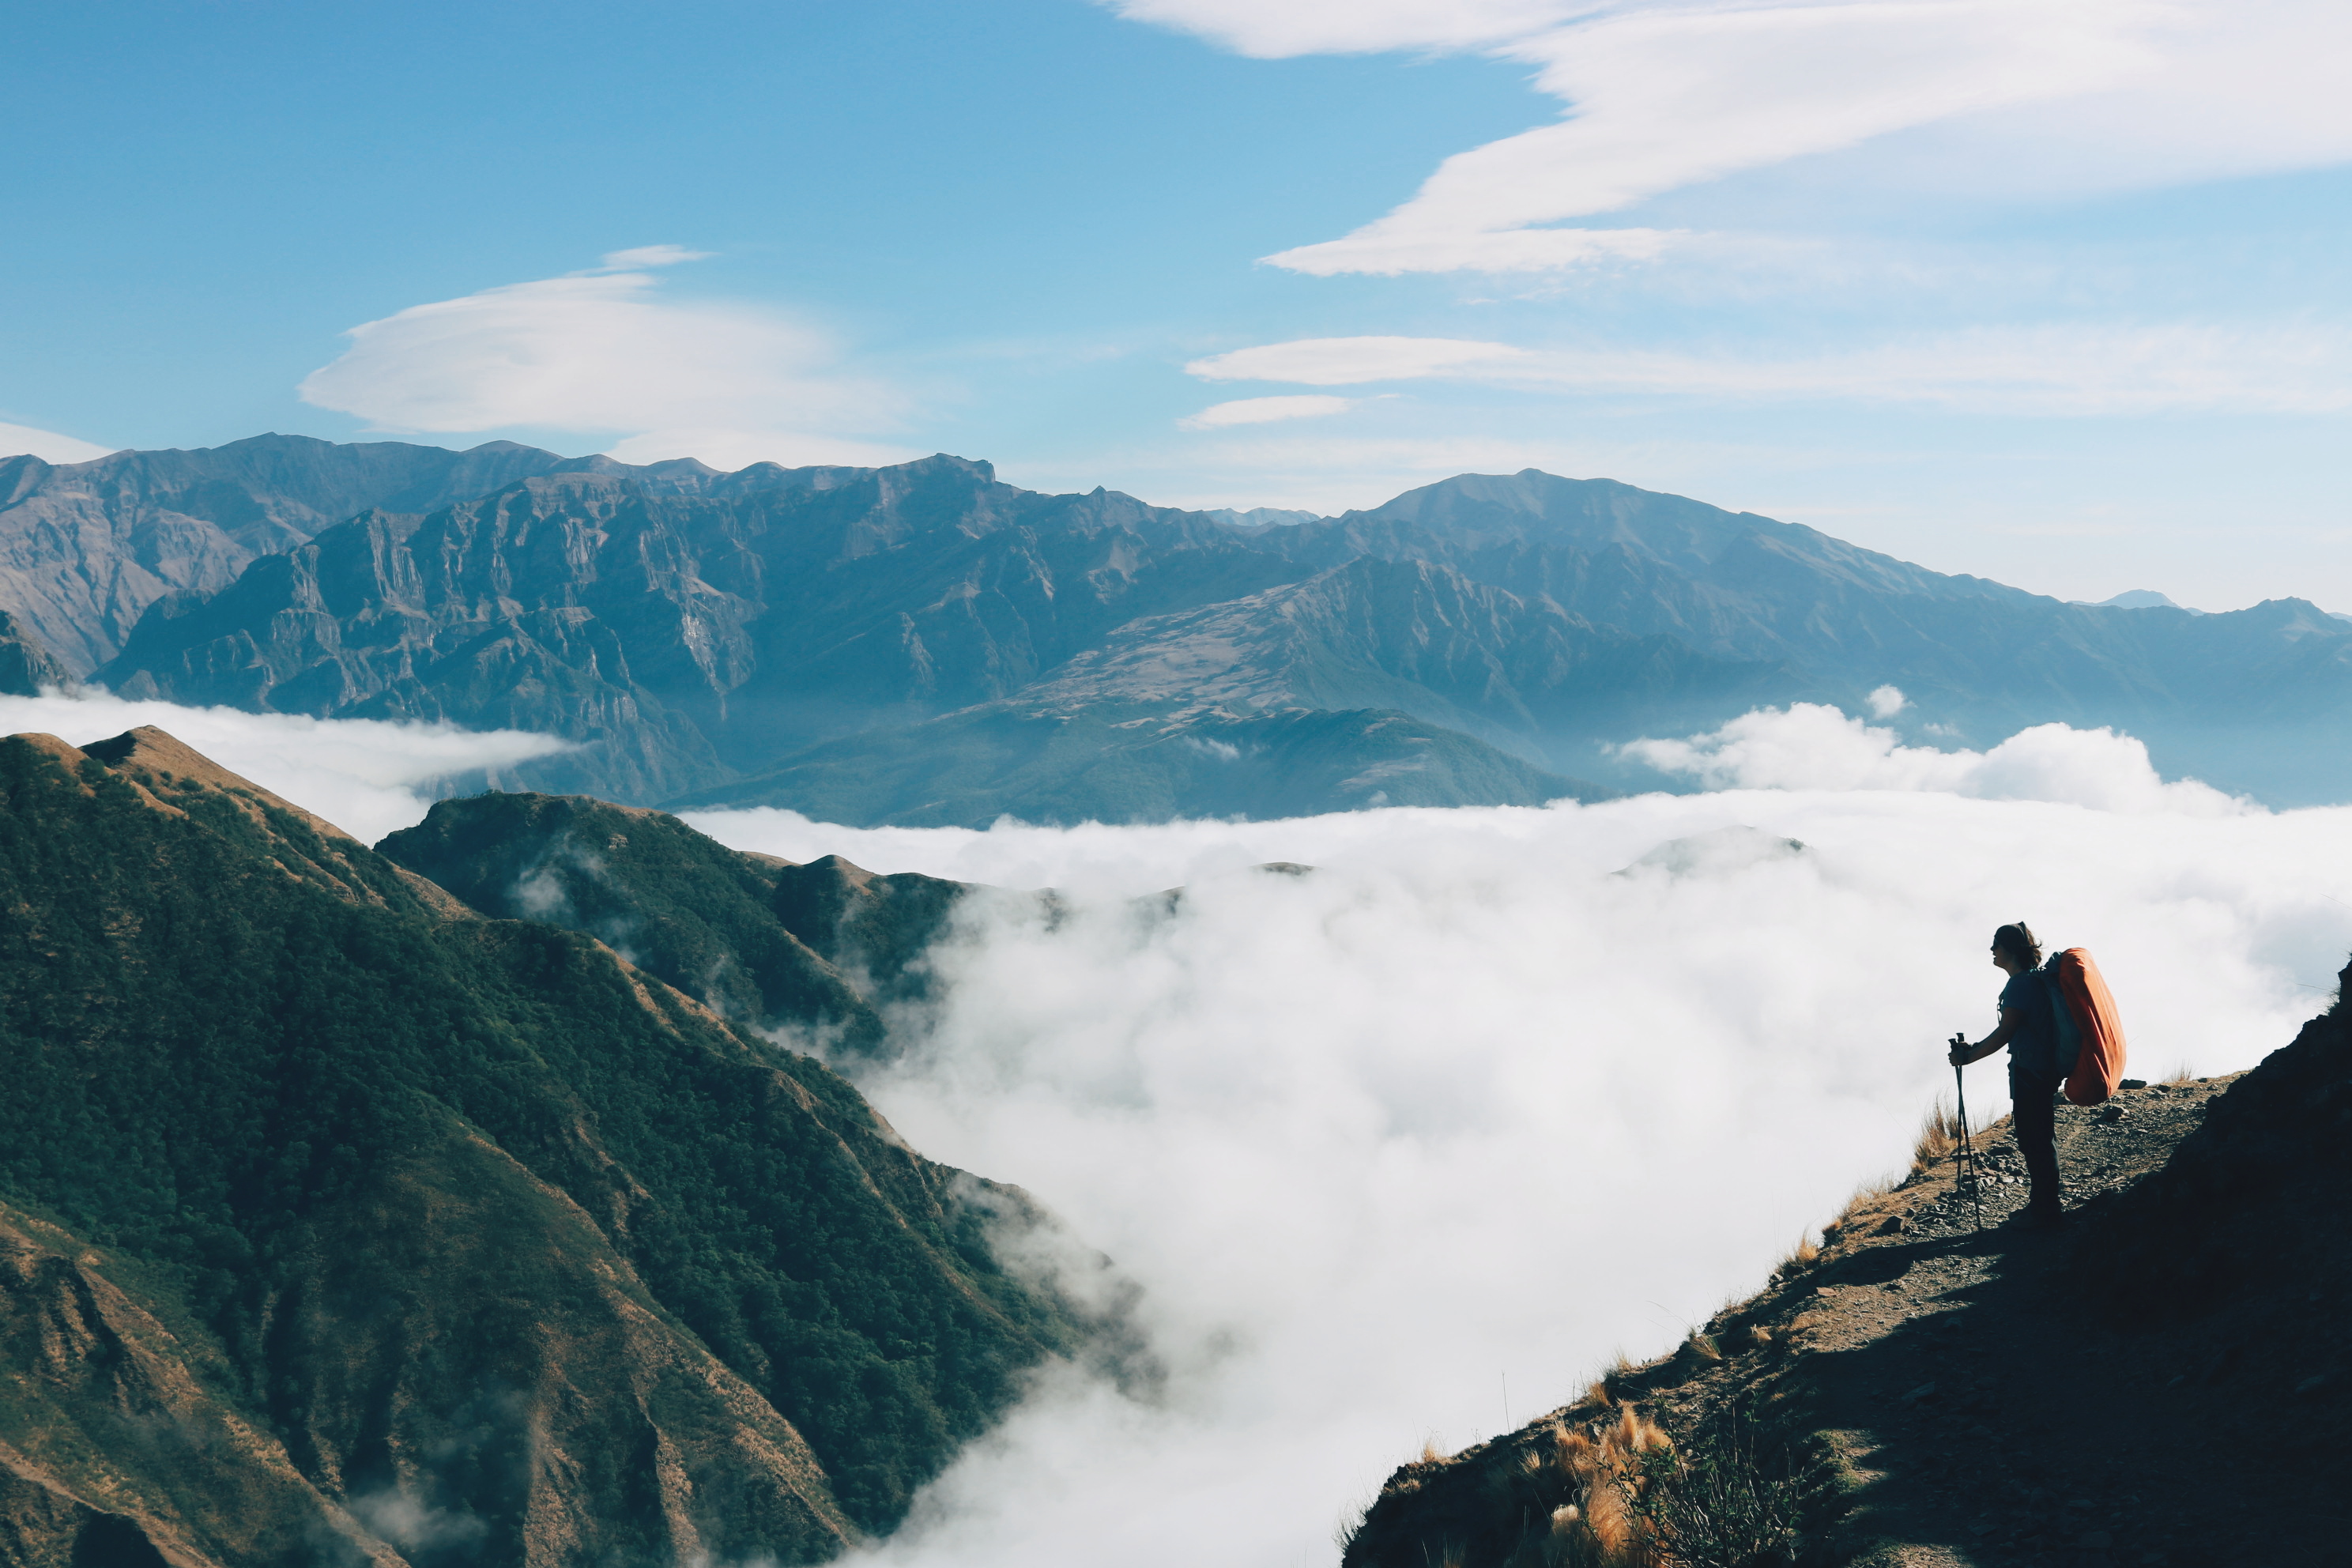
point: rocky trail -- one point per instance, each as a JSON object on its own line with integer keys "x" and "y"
{"x": 2159, "y": 1381}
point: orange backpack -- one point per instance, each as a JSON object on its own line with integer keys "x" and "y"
{"x": 2088, "y": 1023}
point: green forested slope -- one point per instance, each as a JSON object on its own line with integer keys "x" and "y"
{"x": 488, "y": 1245}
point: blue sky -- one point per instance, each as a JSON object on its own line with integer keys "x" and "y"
{"x": 2051, "y": 295}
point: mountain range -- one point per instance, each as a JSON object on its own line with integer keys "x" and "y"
{"x": 926, "y": 644}
{"x": 348, "y": 1217}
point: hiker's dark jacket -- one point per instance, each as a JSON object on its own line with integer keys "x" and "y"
{"x": 2033, "y": 1049}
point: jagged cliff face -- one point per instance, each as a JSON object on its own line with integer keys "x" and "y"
{"x": 27, "y": 667}
{"x": 679, "y": 638}
{"x": 86, "y": 547}
{"x": 338, "y": 1222}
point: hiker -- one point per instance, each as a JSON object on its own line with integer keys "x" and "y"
{"x": 2029, "y": 1027}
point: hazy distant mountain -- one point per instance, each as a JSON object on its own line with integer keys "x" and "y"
{"x": 2139, "y": 599}
{"x": 85, "y": 547}
{"x": 1415, "y": 635}
{"x": 696, "y": 631}
{"x": 1116, "y": 763}
{"x": 1261, "y": 517}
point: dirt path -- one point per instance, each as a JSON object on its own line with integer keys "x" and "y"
{"x": 1945, "y": 1358}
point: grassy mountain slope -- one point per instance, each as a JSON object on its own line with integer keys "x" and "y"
{"x": 339, "y": 1213}
{"x": 679, "y": 906}
{"x": 2165, "y": 1382}
{"x": 812, "y": 949}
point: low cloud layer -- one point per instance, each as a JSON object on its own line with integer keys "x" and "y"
{"x": 366, "y": 776}
{"x": 1473, "y": 1105}
{"x": 1811, "y": 747}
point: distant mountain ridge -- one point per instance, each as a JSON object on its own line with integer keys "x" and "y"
{"x": 694, "y": 632}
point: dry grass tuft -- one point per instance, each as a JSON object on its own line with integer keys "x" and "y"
{"x": 1602, "y": 1466}
{"x": 1802, "y": 1257}
{"x": 1431, "y": 1454}
{"x": 1861, "y": 1210}
{"x": 1939, "y": 1135}
{"x": 1703, "y": 1345}
{"x": 1610, "y": 1488}
{"x": 2182, "y": 1074}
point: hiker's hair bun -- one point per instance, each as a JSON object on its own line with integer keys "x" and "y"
{"x": 2019, "y": 941}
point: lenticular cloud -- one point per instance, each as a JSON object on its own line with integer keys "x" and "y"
{"x": 1406, "y": 1147}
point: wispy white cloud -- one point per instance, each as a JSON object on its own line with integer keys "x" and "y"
{"x": 1350, "y": 362}
{"x": 2055, "y": 369}
{"x": 731, "y": 449}
{"x": 17, "y": 440}
{"x": 1666, "y": 95}
{"x": 1410, "y": 245}
{"x": 601, "y": 352}
{"x": 650, "y": 255}
{"x": 1266, "y": 411}
{"x": 1282, "y": 28}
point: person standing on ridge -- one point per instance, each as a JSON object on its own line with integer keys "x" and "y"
{"x": 2029, "y": 1027}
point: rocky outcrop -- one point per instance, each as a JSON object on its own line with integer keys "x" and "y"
{"x": 26, "y": 668}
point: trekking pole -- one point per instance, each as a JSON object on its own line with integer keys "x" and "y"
{"x": 1967, "y": 1152}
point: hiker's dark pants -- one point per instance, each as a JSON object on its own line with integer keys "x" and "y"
{"x": 2035, "y": 1119}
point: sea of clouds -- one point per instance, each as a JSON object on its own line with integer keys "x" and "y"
{"x": 1411, "y": 1145}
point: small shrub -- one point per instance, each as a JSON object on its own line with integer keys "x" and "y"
{"x": 1728, "y": 1501}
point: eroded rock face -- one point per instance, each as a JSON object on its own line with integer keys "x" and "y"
{"x": 86, "y": 547}
{"x": 336, "y": 1217}
{"x": 27, "y": 667}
